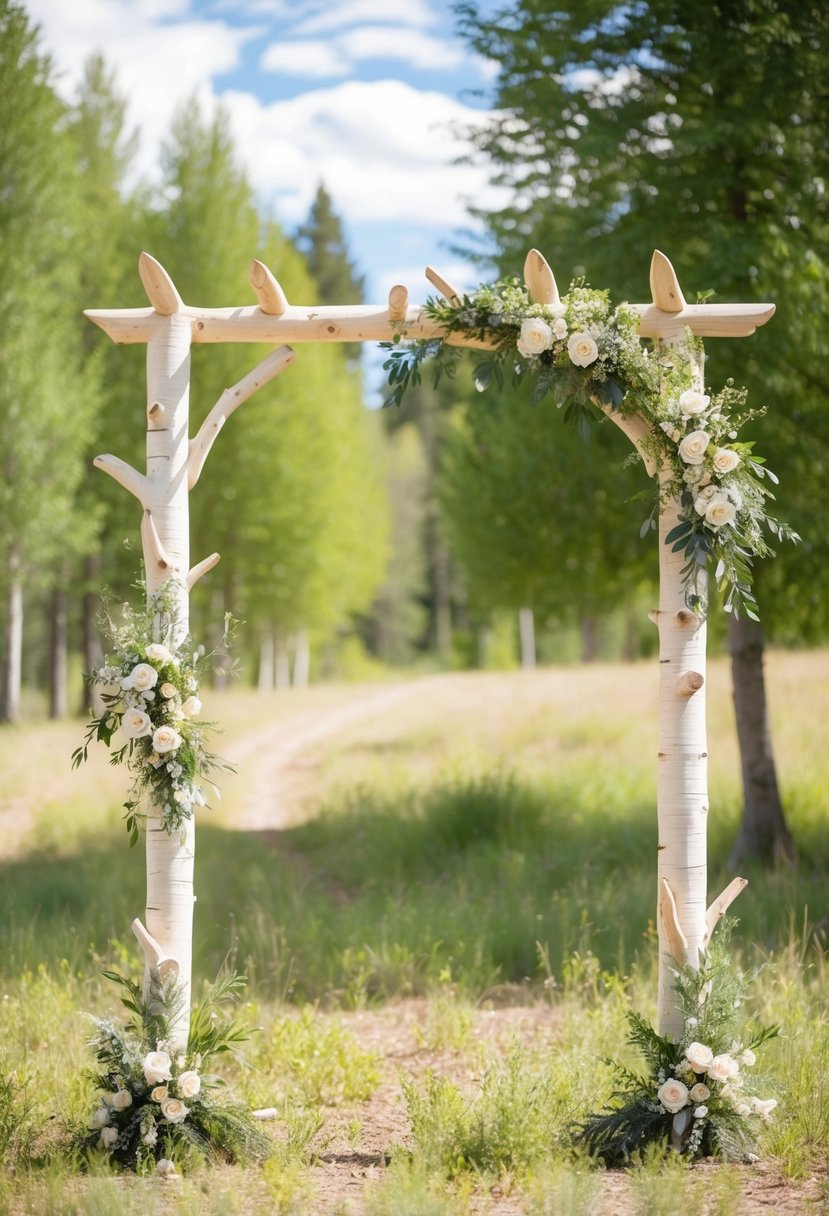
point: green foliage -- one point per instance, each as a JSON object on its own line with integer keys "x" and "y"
{"x": 318, "y": 1062}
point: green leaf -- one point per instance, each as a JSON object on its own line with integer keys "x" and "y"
{"x": 679, "y": 531}
{"x": 610, "y": 394}
{"x": 483, "y": 376}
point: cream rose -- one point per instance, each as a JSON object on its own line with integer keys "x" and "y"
{"x": 699, "y": 1092}
{"x": 157, "y": 653}
{"x": 160, "y": 1093}
{"x": 582, "y": 349}
{"x": 723, "y": 1068}
{"x": 142, "y": 678}
{"x": 673, "y": 1095}
{"x": 174, "y": 1111}
{"x": 535, "y": 337}
{"x": 763, "y": 1106}
{"x": 720, "y": 511}
{"x": 121, "y": 1100}
{"x": 725, "y": 460}
{"x": 156, "y": 1065}
{"x": 165, "y": 739}
{"x": 191, "y": 707}
{"x": 136, "y": 724}
{"x": 108, "y": 1137}
{"x": 560, "y": 327}
{"x": 691, "y": 402}
{"x": 699, "y": 1056}
{"x": 168, "y": 691}
{"x": 189, "y": 1084}
{"x": 692, "y": 448}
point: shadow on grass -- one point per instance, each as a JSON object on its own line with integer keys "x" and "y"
{"x": 482, "y": 882}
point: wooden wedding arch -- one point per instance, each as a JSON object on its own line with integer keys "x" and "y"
{"x": 169, "y": 327}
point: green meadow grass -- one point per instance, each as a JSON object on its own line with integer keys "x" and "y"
{"x": 468, "y": 853}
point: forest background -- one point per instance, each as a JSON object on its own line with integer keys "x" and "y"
{"x": 464, "y": 530}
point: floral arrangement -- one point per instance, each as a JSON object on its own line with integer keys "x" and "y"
{"x": 158, "y": 1106}
{"x": 587, "y": 354}
{"x": 700, "y": 1094}
{"x": 149, "y": 688}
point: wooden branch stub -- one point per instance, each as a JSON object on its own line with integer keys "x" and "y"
{"x": 157, "y": 960}
{"x": 653, "y": 616}
{"x": 271, "y": 297}
{"x": 398, "y": 302}
{"x": 124, "y": 474}
{"x": 152, "y": 542}
{"x": 156, "y": 413}
{"x": 540, "y": 280}
{"x": 201, "y": 569}
{"x": 721, "y": 905}
{"x": 160, "y": 289}
{"x": 686, "y": 619}
{"x": 665, "y": 289}
{"x": 689, "y": 683}
{"x": 677, "y": 941}
{"x": 443, "y": 285}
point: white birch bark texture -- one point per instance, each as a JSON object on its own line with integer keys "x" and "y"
{"x": 169, "y": 326}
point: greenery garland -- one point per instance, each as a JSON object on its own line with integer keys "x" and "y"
{"x": 158, "y": 1108}
{"x": 586, "y": 354}
{"x": 699, "y": 1095}
{"x": 149, "y": 688}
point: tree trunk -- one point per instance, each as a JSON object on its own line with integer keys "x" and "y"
{"x": 265, "y": 680}
{"x": 93, "y": 655}
{"x": 589, "y": 631}
{"x": 282, "y": 661}
{"x": 763, "y": 832}
{"x": 58, "y": 657}
{"x": 10, "y": 704}
{"x": 526, "y": 633}
{"x": 302, "y": 659}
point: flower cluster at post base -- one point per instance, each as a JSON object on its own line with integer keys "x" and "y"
{"x": 157, "y": 1106}
{"x": 700, "y": 1095}
{"x": 588, "y": 355}
{"x": 150, "y": 691}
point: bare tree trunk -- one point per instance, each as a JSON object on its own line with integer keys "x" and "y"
{"x": 282, "y": 661}
{"x": 265, "y": 680}
{"x": 763, "y": 832}
{"x": 526, "y": 633}
{"x": 58, "y": 657}
{"x": 12, "y": 667}
{"x": 589, "y": 630}
{"x": 302, "y": 659}
{"x": 93, "y": 655}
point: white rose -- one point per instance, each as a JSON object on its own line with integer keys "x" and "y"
{"x": 189, "y": 1084}
{"x": 535, "y": 337}
{"x": 156, "y": 1065}
{"x": 157, "y": 653}
{"x": 136, "y": 724}
{"x": 691, "y": 402}
{"x": 582, "y": 349}
{"x": 763, "y": 1107}
{"x": 121, "y": 1100}
{"x": 100, "y": 1117}
{"x": 701, "y": 505}
{"x": 141, "y": 678}
{"x": 169, "y": 691}
{"x": 165, "y": 1168}
{"x": 692, "y": 448}
{"x": 725, "y": 460}
{"x": 722, "y": 1068}
{"x": 673, "y": 1095}
{"x": 160, "y": 1093}
{"x": 191, "y": 707}
{"x": 700, "y": 1112}
{"x": 748, "y": 1058}
{"x": 699, "y": 1092}
{"x": 699, "y": 1056}
{"x": 560, "y": 327}
{"x": 720, "y": 511}
{"x": 108, "y": 1137}
{"x": 174, "y": 1111}
{"x": 165, "y": 739}
{"x": 557, "y": 310}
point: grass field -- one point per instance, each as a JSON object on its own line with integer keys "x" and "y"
{"x": 443, "y": 913}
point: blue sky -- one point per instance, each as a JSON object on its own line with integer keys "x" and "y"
{"x": 361, "y": 94}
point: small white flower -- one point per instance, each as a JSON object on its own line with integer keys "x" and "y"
{"x": 536, "y": 336}
{"x": 673, "y": 433}
{"x": 763, "y": 1107}
{"x": 725, "y": 460}
{"x": 189, "y": 1084}
{"x": 100, "y": 1117}
{"x": 700, "y": 1112}
{"x": 168, "y": 691}
{"x": 691, "y": 402}
{"x": 743, "y": 1109}
{"x": 136, "y": 724}
{"x": 191, "y": 707}
{"x": 720, "y": 511}
{"x": 699, "y": 1056}
{"x": 692, "y": 448}
{"x": 165, "y": 1168}
{"x": 673, "y": 1095}
{"x": 165, "y": 739}
{"x": 560, "y": 328}
{"x": 142, "y": 677}
{"x": 582, "y": 349}
{"x": 160, "y": 1093}
{"x": 723, "y": 1068}
{"x": 691, "y": 1023}
{"x": 150, "y": 1137}
{"x": 156, "y": 1065}
{"x": 174, "y": 1111}
{"x": 748, "y": 1058}
{"x": 121, "y": 1100}
{"x": 556, "y": 310}
{"x": 699, "y": 1092}
{"x": 108, "y": 1138}
{"x": 157, "y": 653}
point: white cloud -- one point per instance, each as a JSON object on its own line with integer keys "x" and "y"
{"x": 327, "y": 17}
{"x": 304, "y": 58}
{"x": 413, "y": 47}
